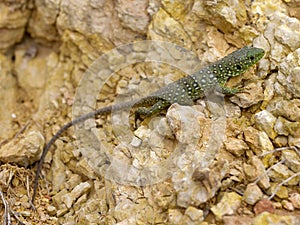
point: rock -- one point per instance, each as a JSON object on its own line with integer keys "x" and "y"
{"x": 199, "y": 187}
{"x": 51, "y": 210}
{"x": 228, "y": 205}
{"x": 32, "y": 71}
{"x": 58, "y": 170}
{"x": 62, "y": 212}
{"x": 281, "y": 191}
{"x": 157, "y": 30}
{"x": 268, "y": 8}
{"x": 252, "y": 194}
{"x": 25, "y": 150}
{"x": 251, "y": 95}
{"x": 232, "y": 110}
{"x": 179, "y": 118}
{"x": 78, "y": 32}
{"x": 258, "y": 141}
{"x": 73, "y": 15}
{"x": 78, "y": 191}
{"x": 224, "y": 17}
{"x": 281, "y": 172}
{"x": 295, "y": 200}
{"x": 178, "y": 9}
{"x": 13, "y": 22}
{"x": 174, "y": 216}
{"x": 265, "y": 121}
{"x": 293, "y": 8}
{"x": 57, "y": 199}
{"x": 42, "y": 23}
{"x": 133, "y": 15}
{"x": 8, "y": 99}
{"x": 281, "y": 126}
{"x": 285, "y": 127}
{"x": 73, "y": 181}
{"x": 288, "y": 205}
{"x": 294, "y": 141}
{"x": 125, "y": 209}
{"x": 268, "y": 218}
{"x": 234, "y": 220}
{"x": 236, "y": 146}
{"x": 285, "y": 33}
{"x": 292, "y": 160}
{"x": 256, "y": 170}
{"x": 290, "y": 70}
{"x": 263, "y": 205}
{"x": 196, "y": 215}
{"x": 161, "y": 194}
{"x": 80, "y": 202}
{"x": 269, "y": 90}
{"x": 280, "y": 141}
{"x": 278, "y": 108}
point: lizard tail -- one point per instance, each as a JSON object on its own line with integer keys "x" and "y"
{"x": 46, "y": 148}
{"x": 101, "y": 111}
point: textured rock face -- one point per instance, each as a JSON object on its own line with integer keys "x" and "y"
{"x": 13, "y": 21}
{"x": 219, "y": 164}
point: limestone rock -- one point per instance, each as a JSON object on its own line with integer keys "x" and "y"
{"x": 288, "y": 33}
{"x": 293, "y": 8}
{"x": 258, "y": 141}
{"x": 163, "y": 24}
{"x": 31, "y": 70}
{"x": 256, "y": 170}
{"x": 228, "y": 205}
{"x": 287, "y": 205}
{"x": 252, "y": 194}
{"x": 290, "y": 70}
{"x": 178, "y": 9}
{"x": 185, "y": 131}
{"x": 250, "y": 95}
{"x": 191, "y": 216}
{"x": 175, "y": 216}
{"x": 25, "y": 151}
{"x": 222, "y": 15}
{"x": 281, "y": 172}
{"x": 236, "y": 146}
{"x": 42, "y": 23}
{"x": 133, "y": 15}
{"x": 13, "y": 21}
{"x": 199, "y": 188}
{"x": 295, "y": 200}
{"x": 196, "y": 215}
{"x": 78, "y": 191}
{"x": 268, "y": 218}
{"x": 265, "y": 121}
{"x": 8, "y": 98}
{"x": 282, "y": 191}
{"x": 278, "y": 108}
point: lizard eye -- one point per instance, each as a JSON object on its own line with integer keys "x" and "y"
{"x": 238, "y": 67}
{"x": 252, "y": 57}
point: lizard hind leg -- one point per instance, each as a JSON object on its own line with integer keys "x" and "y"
{"x": 143, "y": 112}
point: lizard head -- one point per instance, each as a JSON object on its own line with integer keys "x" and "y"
{"x": 237, "y": 62}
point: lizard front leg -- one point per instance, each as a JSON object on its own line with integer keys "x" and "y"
{"x": 227, "y": 91}
{"x": 144, "y": 112}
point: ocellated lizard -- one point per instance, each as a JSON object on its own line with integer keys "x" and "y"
{"x": 183, "y": 91}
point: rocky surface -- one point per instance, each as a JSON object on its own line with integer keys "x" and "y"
{"x": 201, "y": 164}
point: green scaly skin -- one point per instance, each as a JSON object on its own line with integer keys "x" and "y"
{"x": 183, "y": 91}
